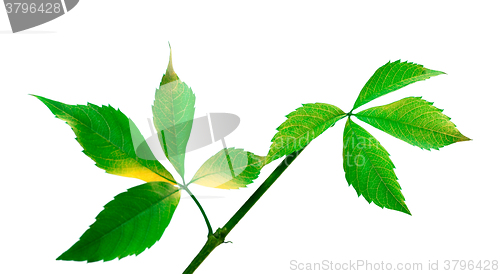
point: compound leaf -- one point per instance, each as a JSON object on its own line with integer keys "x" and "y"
{"x": 369, "y": 169}
{"x": 391, "y": 77}
{"x": 229, "y": 168}
{"x": 302, "y": 126}
{"x": 414, "y": 121}
{"x": 173, "y": 113}
{"x": 107, "y": 137}
{"x": 132, "y": 222}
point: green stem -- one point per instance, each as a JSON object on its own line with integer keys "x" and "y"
{"x": 219, "y": 236}
{"x": 210, "y": 231}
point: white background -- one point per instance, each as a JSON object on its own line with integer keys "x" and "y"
{"x": 259, "y": 60}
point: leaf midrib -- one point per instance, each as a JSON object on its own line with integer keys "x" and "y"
{"x": 410, "y": 125}
{"x": 173, "y": 121}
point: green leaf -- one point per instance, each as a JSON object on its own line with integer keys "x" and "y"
{"x": 369, "y": 169}
{"x": 414, "y": 121}
{"x": 132, "y": 222}
{"x": 107, "y": 137}
{"x": 302, "y": 126}
{"x": 173, "y": 113}
{"x": 391, "y": 77}
{"x": 229, "y": 168}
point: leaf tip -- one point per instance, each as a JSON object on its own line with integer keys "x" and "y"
{"x": 465, "y": 138}
{"x": 440, "y": 72}
{"x": 170, "y": 74}
{"x": 405, "y": 209}
{"x": 434, "y": 72}
{"x": 62, "y": 257}
{"x": 36, "y": 96}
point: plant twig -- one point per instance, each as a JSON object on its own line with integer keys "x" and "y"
{"x": 210, "y": 231}
{"x": 219, "y": 236}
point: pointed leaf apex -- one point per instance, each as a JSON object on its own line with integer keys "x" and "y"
{"x": 465, "y": 138}
{"x": 170, "y": 74}
{"x": 37, "y": 96}
{"x": 435, "y": 72}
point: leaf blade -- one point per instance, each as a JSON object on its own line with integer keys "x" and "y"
{"x": 302, "y": 126}
{"x": 133, "y": 221}
{"x": 107, "y": 137}
{"x": 173, "y": 113}
{"x": 391, "y": 77}
{"x": 229, "y": 168}
{"x": 369, "y": 169}
{"x": 415, "y": 121}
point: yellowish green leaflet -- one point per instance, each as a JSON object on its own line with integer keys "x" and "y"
{"x": 107, "y": 137}
{"x": 302, "y": 126}
{"x": 414, "y": 121}
{"x": 173, "y": 113}
{"x": 391, "y": 77}
{"x": 230, "y": 168}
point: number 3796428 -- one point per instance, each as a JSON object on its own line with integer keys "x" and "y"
{"x": 33, "y": 7}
